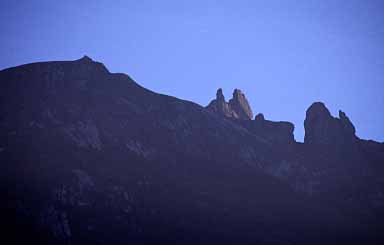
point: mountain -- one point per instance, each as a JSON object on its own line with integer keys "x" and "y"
{"x": 237, "y": 107}
{"x": 91, "y": 157}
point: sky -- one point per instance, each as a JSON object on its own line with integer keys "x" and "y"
{"x": 284, "y": 55}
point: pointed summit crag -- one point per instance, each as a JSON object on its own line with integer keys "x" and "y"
{"x": 219, "y": 105}
{"x": 322, "y": 128}
{"x": 85, "y": 59}
{"x": 239, "y": 104}
{"x": 238, "y": 107}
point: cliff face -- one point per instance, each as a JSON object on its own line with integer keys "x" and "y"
{"x": 240, "y": 105}
{"x": 322, "y": 128}
{"x": 220, "y": 106}
{"x": 91, "y": 157}
{"x": 279, "y": 132}
{"x": 237, "y": 107}
{"x": 239, "y": 110}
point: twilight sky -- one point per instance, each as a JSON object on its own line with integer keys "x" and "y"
{"x": 283, "y": 55}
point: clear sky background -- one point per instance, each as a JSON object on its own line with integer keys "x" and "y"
{"x": 283, "y": 55}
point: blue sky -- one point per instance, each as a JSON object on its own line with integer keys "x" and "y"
{"x": 283, "y": 55}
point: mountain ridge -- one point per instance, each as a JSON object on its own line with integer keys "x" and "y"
{"x": 87, "y": 59}
{"x": 92, "y": 157}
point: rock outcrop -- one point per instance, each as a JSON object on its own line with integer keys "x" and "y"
{"x": 275, "y": 132}
{"x": 219, "y": 105}
{"x": 322, "y": 128}
{"x": 237, "y": 107}
{"x": 240, "y": 106}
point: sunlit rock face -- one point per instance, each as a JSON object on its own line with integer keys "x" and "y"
{"x": 237, "y": 107}
{"x": 219, "y": 105}
{"x": 240, "y": 105}
{"x": 324, "y": 129}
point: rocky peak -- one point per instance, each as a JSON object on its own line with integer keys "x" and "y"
{"x": 347, "y": 124}
{"x": 274, "y": 132}
{"x": 322, "y": 128}
{"x": 318, "y": 111}
{"x": 219, "y": 95}
{"x": 219, "y": 105}
{"x": 85, "y": 59}
{"x": 259, "y": 117}
{"x": 240, "y": 105}
{"x": 88, "y": 65}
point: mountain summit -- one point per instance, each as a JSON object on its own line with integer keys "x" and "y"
{"x": 237, "y": 107}
{"x": 322, "y": 128}
{"x": 91, "y": 157}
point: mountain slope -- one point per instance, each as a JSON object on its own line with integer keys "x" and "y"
{"x": 91, "y": 157}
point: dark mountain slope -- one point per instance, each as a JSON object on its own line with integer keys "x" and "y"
{"x": 332, "y": 166}
{"x": 91, "y": 157}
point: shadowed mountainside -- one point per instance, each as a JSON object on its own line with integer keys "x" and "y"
{"x": 91, "y": 157}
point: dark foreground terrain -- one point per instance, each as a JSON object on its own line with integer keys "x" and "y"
{"x": 91, "y": 157}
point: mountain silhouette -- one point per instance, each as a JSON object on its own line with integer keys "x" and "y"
{"x": 91, "y": 157}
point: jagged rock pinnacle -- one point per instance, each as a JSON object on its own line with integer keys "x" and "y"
{"x": 322, "y": 128}
{"x": 219, "y": 95}
{"x": 219, "y": 105}
{"x": 318, "y": 110}
{"x": 347, "y": 124}
{"x": 240, "y": 105}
